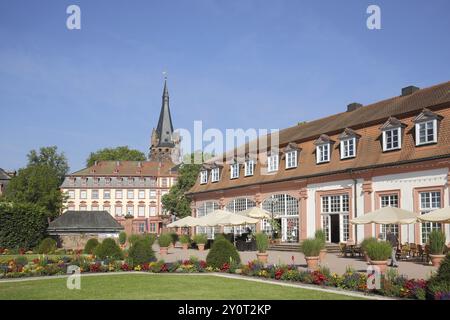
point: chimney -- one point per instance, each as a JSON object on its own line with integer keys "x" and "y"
{"x": 353, "y": 106}
{"x": 406, "y": 91}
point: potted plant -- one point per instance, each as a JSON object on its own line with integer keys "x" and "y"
{"x": 185, "y": 241}
{"x": 311, "y": 249}
{"x": 320, "y": 235}
{"x": 436, "y": 241}
{"x": 262, "y": 243}
{"x": 174, "y": 236}
{"x": 200, "y": 239}
{"x": 164, "y": 241}
{"x": 364, "y": 245}
{"x": 379, "y": 252}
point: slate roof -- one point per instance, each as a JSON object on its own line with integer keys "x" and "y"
{"x": 84, "y": 221}
{"x": 4, "y": 175}
{"x": 364, "y": 121}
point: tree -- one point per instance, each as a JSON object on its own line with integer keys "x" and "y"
{"x": 22, "y": 225}
{"x": 37, "y": 184}
{"x": 49, "y": 156}
{"x": 115, "y": 154}
{"x": 176, "y": 202}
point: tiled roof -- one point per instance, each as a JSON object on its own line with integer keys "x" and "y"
{"x": 129, "y": 169}
{"x": 364, "y": 121}
{"x": 4, "y": 175}
{"x": 84, "y": 221}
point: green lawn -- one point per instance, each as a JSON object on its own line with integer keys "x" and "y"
{"x": 164, "y": 287}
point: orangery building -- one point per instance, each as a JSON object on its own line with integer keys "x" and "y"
{"x": 324, "y": 173}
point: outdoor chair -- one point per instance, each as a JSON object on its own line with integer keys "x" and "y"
{"x": 413, "y": 249}
{"x": 342, "y": 247}
{"x": 405, "y": 252}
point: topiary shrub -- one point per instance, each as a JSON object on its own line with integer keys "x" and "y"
{"x": 133, "y": 238}
{"x": 149, "y": 237}
{"x": 141, "y": 252}
{"x": 90, "y": 246}
{"x": 200, "y": 238}
{"x": 47, "y": 245}
{"x": 108, "y": 249}
{"x": 262, "y": 242}
{"x": 165, "y": 240}
{"x": 379, "y": 250}
{"x": 311, "y": 247}
{"x": 122, "y": 238}
{"x": 222, "y": 252}
{"x": 436, "y": 241}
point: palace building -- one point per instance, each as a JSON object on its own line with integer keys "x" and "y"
{"x": 130, "y": 191}
{"x": 326, "y": 172}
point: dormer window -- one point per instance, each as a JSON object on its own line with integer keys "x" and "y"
{"x": 323, "y": 153}
{"x": 234, "y": 171}
{"x": 215, "y": 173}
{"x": 249, "y": 167}
{"x": 272, "y": 163}
{"x": 392, "y": 134}
{"x": 426, "y": 127}
{"x": 203, "y": 177}
{"x": 291, "y": 155}
{"x": 291, "y": 159}
{"x": 348, "y": 143}
{"x": 323, "y": 148}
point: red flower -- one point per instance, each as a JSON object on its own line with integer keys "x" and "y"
{"x": 164, "y": 268}
{"x": 225, "y": 267}
{"x": 145, "y": 267}
{"x": 203, "y": 264}
{"x": 125, "y": 267}
{"x": 279, "y": 273}
{"x": 318, "y": 278}
{"x": 94, "y": 267}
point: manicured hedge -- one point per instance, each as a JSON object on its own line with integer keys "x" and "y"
{"x": 108, "y": 249}
{"x": 48, "y": 245}
{"x": 222, "y": 252}
{"x": 21, "y": 225}
{"x": 90, "y": 246}
{"x": 141, "y": 252}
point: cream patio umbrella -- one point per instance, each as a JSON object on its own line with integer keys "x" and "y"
{"x": 256, "y": 212}
{"x": 440, "y": 215}
{"x": 387, "y": 215}
{"x": 184, "y": 222}
{"x": 224, "y": 218}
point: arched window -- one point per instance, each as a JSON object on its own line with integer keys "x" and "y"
{"x": 240, "y": 204}
{"x": 237, "y": 205}
{"x": 282, "y": 205}
{"x": 285, "y": 210}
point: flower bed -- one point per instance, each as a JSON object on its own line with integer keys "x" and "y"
{"x": 392, "y": 284}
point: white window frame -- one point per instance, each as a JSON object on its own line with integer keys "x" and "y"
{"x": 399, "y": 138}
{"x": 427, "y": 227}
{"x": 130, "y": 210}
{"x": 234, "y": 171}
{"x": 345, "y": 148}
{"x": 249, "y": 167}
{"x": 106, "y": 194}
{"x": 119, "y": 194}
{"x": 141, "y": 194}
{"x": 130, "y": 192}
{"x": 215, "y": 174}
{"x": 83, "y": 194}
{"x": 291, "y": 159}
{"x": 96, "y": 193}
{"x": 152, "y": 194}
{"x": 118, "y": 211}
{"x": 152, "y": 211}
{"x": 203, "y": 176}
{"x": 71, "y": 194}
{"x": 434, "y": 126}
{"x": 272, "y": 163}
{"x": 320, "y": 153}
{"x": 141, "y": 211}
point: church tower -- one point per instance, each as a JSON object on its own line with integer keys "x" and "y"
{"x": 163, "y": 144}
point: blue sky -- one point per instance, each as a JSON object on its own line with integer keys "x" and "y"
{"x": 231, "y": 63}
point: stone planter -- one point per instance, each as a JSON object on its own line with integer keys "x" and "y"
{"x": 312, "y": 263}
{"x": 322, "y": 254}
{"x": 366, "y": 256}
{"x": 171, "y": 246}
{"x": 163, "y": 251}
{"x": 185, "y": 246}
{"x": 436, "y": 259}
{"x": 201, "y": 246}
{"x": 382, "y": 265}
{"x": 262, "y": 256}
